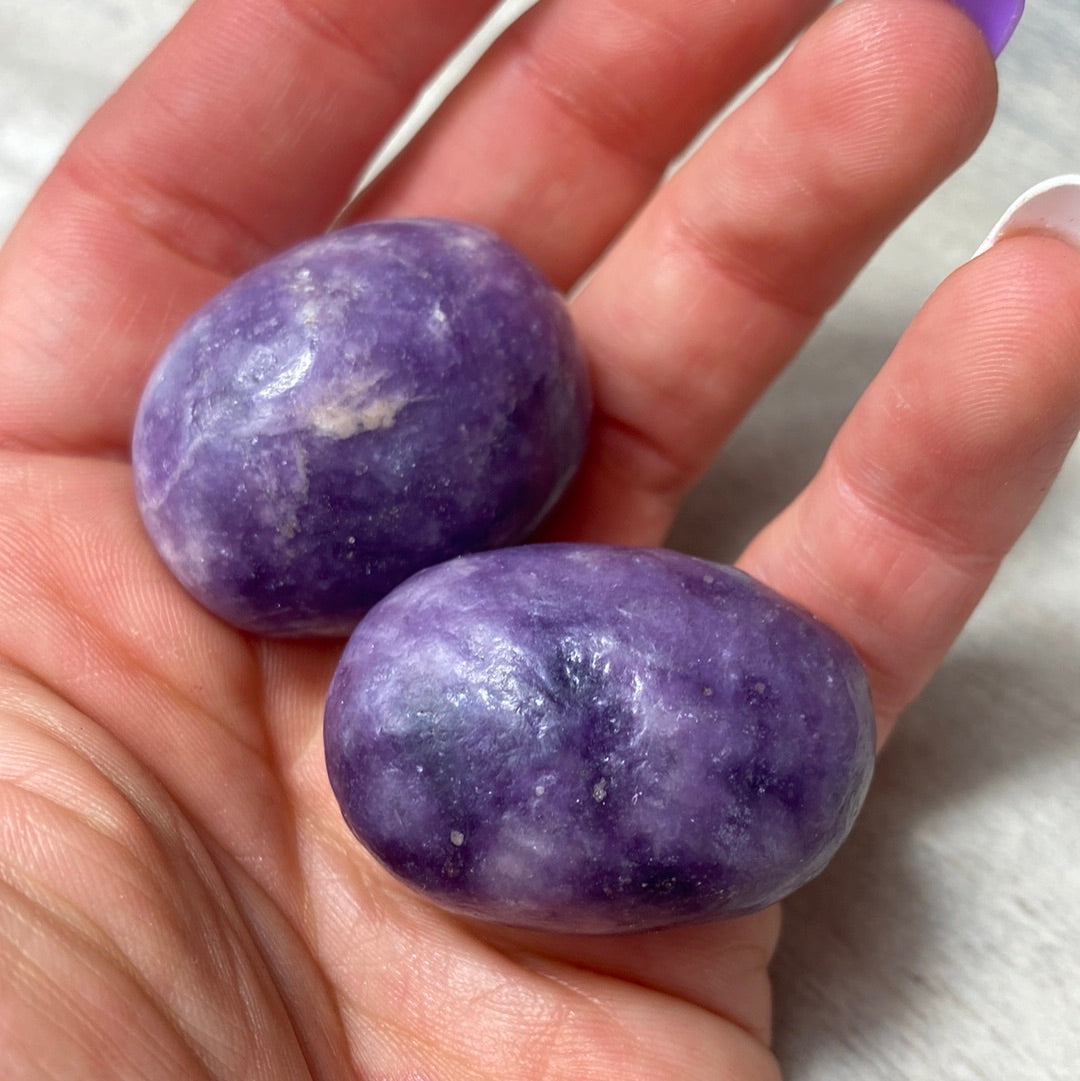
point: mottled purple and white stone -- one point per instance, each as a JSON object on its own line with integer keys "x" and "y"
{"x": 596, "y": 739}
{"x": 366, "y": 404}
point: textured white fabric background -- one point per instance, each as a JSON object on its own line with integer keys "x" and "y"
{"x": 944, "y": 942}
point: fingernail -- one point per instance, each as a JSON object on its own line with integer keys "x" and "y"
{"x": 996, "y": 19}
{"x": 1051, "y": 207}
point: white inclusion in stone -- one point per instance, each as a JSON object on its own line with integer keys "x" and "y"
{"x": 467, "y": 241}
{"x": 515, "y": 853}
{"x": 342, "y": 420}
{"x": 303, "y": 286}
{"x": 599, "y": 790}
{"x": 538, "y": 790}
{"x": 457, "y": 838}
{"x": 438, "y": 320}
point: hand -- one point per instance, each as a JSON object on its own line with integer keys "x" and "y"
{"x": 179, "y": 896}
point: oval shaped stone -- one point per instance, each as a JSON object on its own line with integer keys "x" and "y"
{"x": 597, "y": 739}
{"x": 367, "y": 404}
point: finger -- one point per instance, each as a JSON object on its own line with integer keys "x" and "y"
{"x": 722, "y": 967}
{"x": 242, "y": 133}
{"x": 940, "y": 466}
{"x": 568, "y": 122}
{"x": 730, "y": 267}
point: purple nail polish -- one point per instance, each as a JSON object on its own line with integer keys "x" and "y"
{"x": 996, "y": 19}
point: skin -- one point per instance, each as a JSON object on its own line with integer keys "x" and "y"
{"x": 178, "y": 894}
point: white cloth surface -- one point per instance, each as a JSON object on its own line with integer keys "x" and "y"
{"x": 943, "y": 944}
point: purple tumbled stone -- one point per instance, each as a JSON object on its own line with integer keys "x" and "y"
{"x": 364, "y": 405}
{"x": 597, "y": 739}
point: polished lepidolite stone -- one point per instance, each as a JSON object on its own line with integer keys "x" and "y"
{"x": 369, "y": 403}
{"x": 595, "y": 739}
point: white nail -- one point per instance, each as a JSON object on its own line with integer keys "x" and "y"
{"x": 1052, "y": 207}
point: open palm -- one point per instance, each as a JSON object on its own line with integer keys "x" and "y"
{"x": 179, "y": 896}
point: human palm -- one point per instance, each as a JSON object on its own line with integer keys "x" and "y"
{"x": 179, "y": 896}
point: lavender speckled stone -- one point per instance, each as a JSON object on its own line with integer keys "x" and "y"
{"x": 364, "y": 405}
{"x": 594, "y": 739}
